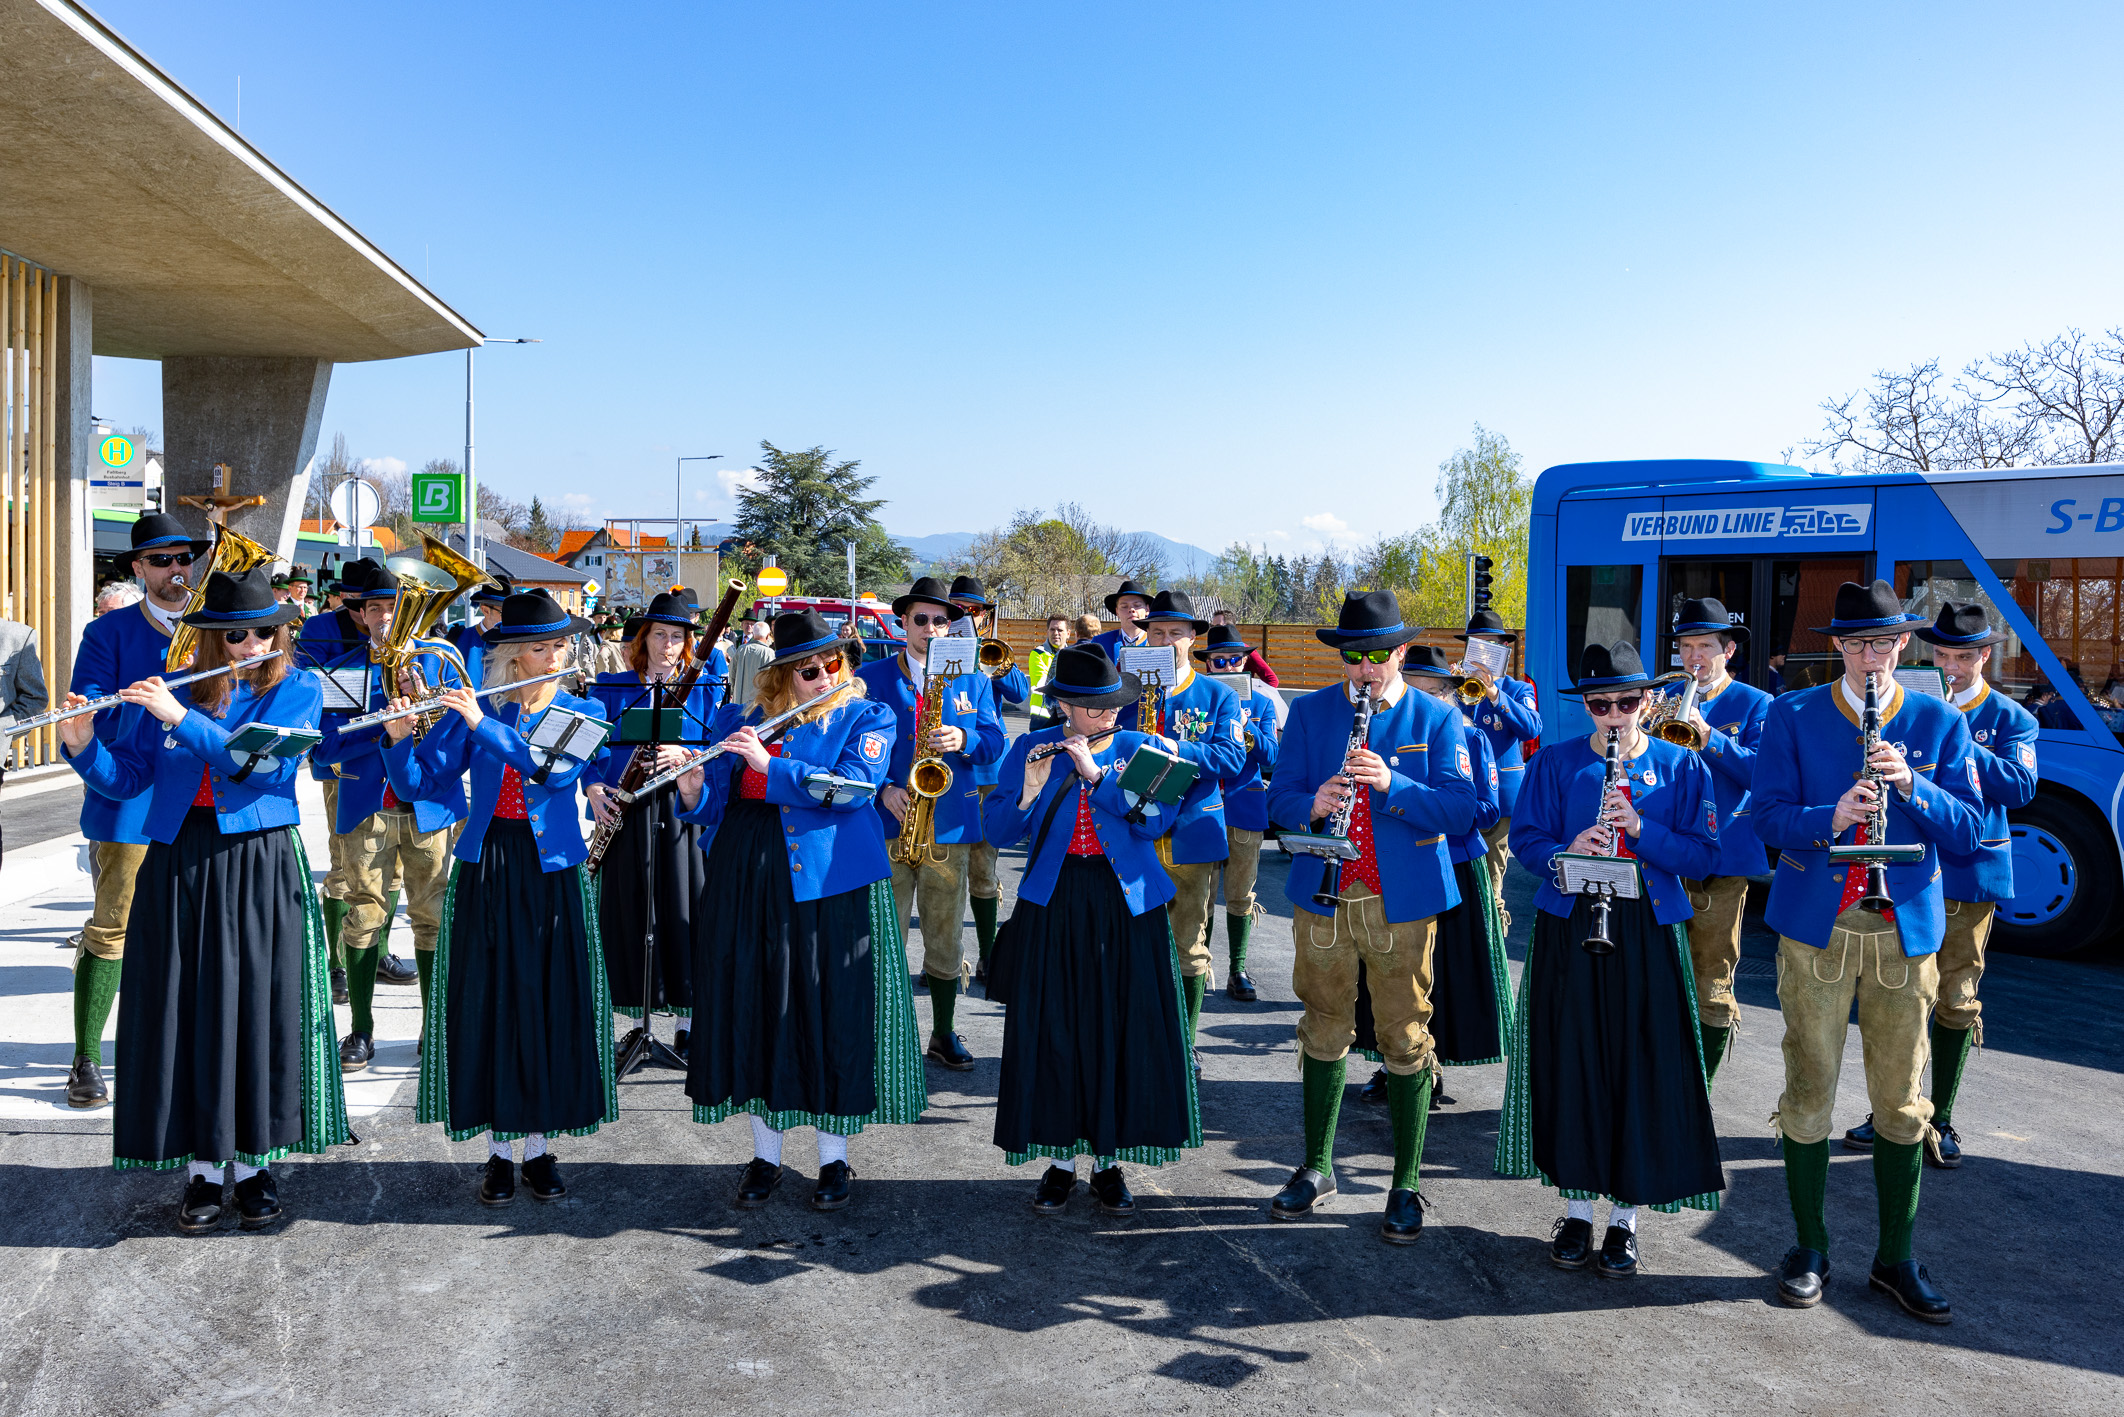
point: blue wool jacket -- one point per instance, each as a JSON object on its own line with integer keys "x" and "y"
{"x": 969, "y": 705}
{"x": 1736, "y": 716}
{"x": 1508, "y": 722}
{"x": 2003, "y": 740}
{"x": 472, "y": 648}
{"x": 146, "y": 757}
{"x": 1130, "y": 847}
{"x": 1112, "y": 640}
{"x": 1246, "y": 791}
{"x": 832, "y": 849}
{"x": 1488, "y": 811}
{"x": 322, "y": 641}
{"x": 1809, "y": 758}
{"x": 357, "y": 759}
{"x": 617, "y": 693}
{"x": 1431, "y": 797}
{"x": 433, "y": 766}
{"x": 1201, "y": 717}
{"x": 118, "y": 648}
{"x": 1669, "y": 786}
{"x": 1010, "y": 687}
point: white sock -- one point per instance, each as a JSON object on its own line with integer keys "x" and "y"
{"x": 1069, "y": 1165}
{"x": 1579, "y": 1210}
{"x": 1102, "y": 1163}
{"x": 534, "y": 1145}
{"x": 242, "y": 1172}
{"x": 497, "y": 1147}
{"x": 766, "y": 1141}
{"x": 832, "y": 1147}
{"x": 1624, "y": 1216}
{"x": 206, "y": 1170}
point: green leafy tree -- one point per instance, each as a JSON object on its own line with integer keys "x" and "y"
{"x": 802, "y": 508}
{"x": 539, "y": 534}
{"x": 1485, "y": 504}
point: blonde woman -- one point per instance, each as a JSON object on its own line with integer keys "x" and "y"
{"x": 518, "y": 1037}
{"x": 802, "y": 1011}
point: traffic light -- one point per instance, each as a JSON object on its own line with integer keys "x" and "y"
{"x": 1479, "y": 579}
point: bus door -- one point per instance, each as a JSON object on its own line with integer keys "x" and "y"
{"x": 1607, "y": 552}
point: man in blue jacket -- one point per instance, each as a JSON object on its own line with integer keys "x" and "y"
{"x": 1729, "y": 716}
{"x": 1508, "y": 717}
{"x": 2003, "y": 739}
{"x": 1010, "y": 685}
{"x": 1409, "y": 787}
{"x": 1245, "y": 800}
{"x": 1129, "y": 605}
{"x": 1815, "y": 785}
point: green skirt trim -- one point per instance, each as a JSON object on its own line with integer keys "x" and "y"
{"x": 902, "y": 1086}
{"x": 1515, "y": 1131}
{"x": 1500, "y": 983}
{"x": 434, "y": 1103}
{"x": 1137, "y": 1155}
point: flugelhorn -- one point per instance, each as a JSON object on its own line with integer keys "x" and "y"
{"x": 1669, "y": 721}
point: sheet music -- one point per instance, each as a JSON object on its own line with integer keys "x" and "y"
{"x": 1922, "y": 679}
{"x": 1150, "y": 662}
{"x": 345, "y": 690}
{"x": 955, "y": 654}
{"x": 1488, "y": 654}
{"x": 570, "y": 734}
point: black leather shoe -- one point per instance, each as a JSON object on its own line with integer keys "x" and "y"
{"x": 1909, "y": 1285}
{"x": 339, "y": 986}
{"x": 1057, "y": 1185}
{"x": 759, "y": 1182}
{"x": 497, "y": 1185}
{"x": 832, "y": 1191}
{"x": 356, "y": 1052}
{"x": 1571, "y": 1244}
{"x": 1618, "y": 1254}
{"x": 681, "y": 1041}
{"x": 1240, "y": 989}
{"x": 1375, "y": 1090}
{"x": 947, "y": 1051}
{"x": 542, "y": 1178}
{"x": 84, "y": 1083}
{"x": 393, "y": 970}
{"x": 1943, "y": 1148}
{"x": 258, "y": 1202}
{"x": 1306, "y": 1189}
{"x": 1112, "y": 1192}
{"x": 200, "y": 1209}
{"x": 1403, "y": 1224}
{"x": 1801, "y": 1278}
{"x": 1860, "y": 1137}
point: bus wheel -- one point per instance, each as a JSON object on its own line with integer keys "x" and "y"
{"x": 2066, "y": 881}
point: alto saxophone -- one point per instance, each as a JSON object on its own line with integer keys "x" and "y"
{"x": 927, "y": 780}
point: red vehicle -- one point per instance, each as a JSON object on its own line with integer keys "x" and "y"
{"x": 879, "y": 629}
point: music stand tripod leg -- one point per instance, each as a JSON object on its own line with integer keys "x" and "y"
{"x": 643, "y": 1048}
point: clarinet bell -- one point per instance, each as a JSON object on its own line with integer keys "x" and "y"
{"x": 1876, "y": 897}
{"x": 1596, "y": 941}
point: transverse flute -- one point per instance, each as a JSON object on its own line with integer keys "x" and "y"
{"x": 28, "y": 725}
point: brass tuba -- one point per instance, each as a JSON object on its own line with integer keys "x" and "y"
{"x": 1669, "y": 720}
{"x": 425, "y": 590}
{"x": 233, "y": 554}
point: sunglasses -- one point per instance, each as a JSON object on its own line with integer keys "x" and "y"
{"x": 1628, "y": 704}
{"x": 1221, "y": 663}
{"x": 237, "y": 637}
{"x": 1367, "y": 656}
{"x": 161, "y": 559}
{"x": 931, "y": 619}
{"x": 811, "y": 672}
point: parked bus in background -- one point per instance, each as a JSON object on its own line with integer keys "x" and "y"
{"x": 1615, "y": 548}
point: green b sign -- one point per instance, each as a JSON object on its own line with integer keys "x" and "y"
{"x": 438, "y": 497}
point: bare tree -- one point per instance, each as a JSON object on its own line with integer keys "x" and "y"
{"x": 2068, "y": 387}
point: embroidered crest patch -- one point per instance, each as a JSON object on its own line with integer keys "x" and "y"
{"x": 2027, "y": 756}
{"x": 1983, "y": 735}
{"x": 874, "y": 747}
{"x": 961, "y": 703}
{"x": 1467, "y": 769}
{"x": 1976, "y": 783}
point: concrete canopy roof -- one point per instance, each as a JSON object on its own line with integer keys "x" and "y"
{"x": 194, "y": 243}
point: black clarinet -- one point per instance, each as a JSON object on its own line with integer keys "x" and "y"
{"x": 1876, "y": 897}
{"x": 1330, "y": 893}
{"x": 1596, "y": 941}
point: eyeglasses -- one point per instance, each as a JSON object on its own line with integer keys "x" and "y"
{"x": 1367, "y": 656}
{"x": 939, "y": 620}
{"x": 1877, "y": 644}
{"x": 161, "y": 559}
{"x": 237, "y": 637}
{"x": 812, "y": 671}
{"x": 1600, "y": 708}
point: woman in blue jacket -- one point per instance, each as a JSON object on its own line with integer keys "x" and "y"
{"x": 1095, "y": 1043}
{"x": 1607, "y": 1093}
{"x": 518, "y": 1036}
{"x": 803, "y": 1016}
{"x": 225, "y": 1041}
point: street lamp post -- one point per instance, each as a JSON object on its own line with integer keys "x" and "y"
{"x": 471, "y": 482}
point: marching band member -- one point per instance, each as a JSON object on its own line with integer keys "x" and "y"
{"x": 1607, "y": 1094}
{"x": 116, "y": 650}
{"x": 1128, "y": 605}
{"x": 1011, "y": 686}
{"x": 1508, "y": 717}
{"x": 2003, "y": 741}
{"x": 518, "y": 1041}
{"x": 224, "y": 1026}
{"x": 471, "y": 637}
{"x": 1256, "y": 666}
{"x": 1412, "y": 790}
{"x": 1245, "y": 806}
{"x": 1095, "y": 1039}
{"x": 1706, "y": 639}
{"x": 805, "y": 1017}
{"x": 1814, "y": 785}
{"x": 971, "y": 734}
{"x": 1200, "y": 719}
{"x": 660, "y": 647}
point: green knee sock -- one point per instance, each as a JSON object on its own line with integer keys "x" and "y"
{"x": 1323, "y": 1106}
{"x": 335, "y": 919}
{"x": 1950, "y": 1054}
{"x": 1236, "y": 930}
{"x": 1409, "y": 1104}
{"x": 984, "y": 914}
{"x": 383, "y": 936}
{"x": 361, "y": 988}
{"x": 95, "y": 986}
{"x": 424, "y": 961}
{"x": 1714, "y": 1041}
{"x": 943, "y": 1003}
{"x": 1896, "y": 1169}
{"x": 1807, "y": 1183}
{"x": 1194, "y": 986}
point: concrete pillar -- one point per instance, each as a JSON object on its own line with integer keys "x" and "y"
{"x": 74, "y": 531}
{"x": 260, "y": 416}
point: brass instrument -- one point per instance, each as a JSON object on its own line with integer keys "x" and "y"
{"x": 233, "y": 554}
{"x": 1669, "y": 720}
{"x": 1471, "y": 689}
{"x": 1330, "y": 893}
{"x": 997, "y": 657}
{"x": 927, "y": 780}
{"x": 425, "y": 591}
{"x": 1596, "y": 941}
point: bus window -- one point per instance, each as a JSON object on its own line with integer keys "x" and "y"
{"x": 1731, "y": 584}
{"x": 1603, "y": 602}
{"x": 2074, "y": 604}
{"x": 1802, "y": 596}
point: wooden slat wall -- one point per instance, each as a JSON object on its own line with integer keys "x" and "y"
{"x": 1295, "y": 652}
{"x": 29, "y": 333}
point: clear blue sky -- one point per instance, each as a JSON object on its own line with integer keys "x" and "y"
{"x": 1219, "y": 271}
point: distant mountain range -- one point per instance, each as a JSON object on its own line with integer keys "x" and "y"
{"x": 1180, "y": 558}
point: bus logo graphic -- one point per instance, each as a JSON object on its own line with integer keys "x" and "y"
{"x": 1718, "y": 523}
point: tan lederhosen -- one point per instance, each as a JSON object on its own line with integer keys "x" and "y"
{"x": 1397, "y": 970}
{"x": 1863, "y": 961}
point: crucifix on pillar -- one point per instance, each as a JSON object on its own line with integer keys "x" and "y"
{"x": 222, "y": 500}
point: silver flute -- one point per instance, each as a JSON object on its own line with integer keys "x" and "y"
{"x": 61, "y": 715}
{"x": 435, "y": 701}
{"x": 694, "y": 760}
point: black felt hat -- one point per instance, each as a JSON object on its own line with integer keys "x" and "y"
{"x": 970, "y": 590}
{"x": 1369, "y": 619}
{"x": 928, "y": 590}
{"x": 159, "y": 531}
{"x": 494, "y": 595}
{"x": 1865, "y": 609}
{"x": 1705, "y": 617}
{"x": 1604, "y": 667}
{"x": 242, "y": 602}
{"x": 1961, "y": 625}
{"x": 800, "y": 634}
{"x": 1127, "y": 588}
{"x": 1175, "y": 605}
{"x": 1488, "y": 622}
{"x": 535, "y": 615}
{"x": 668, "y": 608}
{"x": 366, "y": 580}
{"x": 1084, "y": 676}
{"x": 1223, "y": 639}
{"x": 1430, "y": 660}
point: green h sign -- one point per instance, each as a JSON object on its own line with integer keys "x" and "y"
{"x": 438, "y": 497}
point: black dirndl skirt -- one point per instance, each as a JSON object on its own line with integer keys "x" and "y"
{"x": 622, "y": 898}
{"x": 226, "y": 1046}
{"x": 804, "y": 1015}
{"x": 1607, "y": 1094}
{"x": 1471, "y": 1008}
{"x": 1095, "y": 1052}
{"x": 519, "y": 1026}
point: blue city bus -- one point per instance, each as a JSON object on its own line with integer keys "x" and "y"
{"x": 1616, "y": 547}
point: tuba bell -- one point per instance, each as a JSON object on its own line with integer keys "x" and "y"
{"x": 233, "y": 554}
{"x": 425, "y": 590}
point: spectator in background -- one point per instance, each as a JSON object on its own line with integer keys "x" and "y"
{"x": 280, "y": 590}
{"x": 299, "y": 584}
{"x": 116, "y": 595}
{"x": 1255, "y": 664}
{"x": 1037, "y": 662}
{"x": 748, "y": 658}
{"x": 22, "y": 691}
{"x": 1087, "y": 627}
